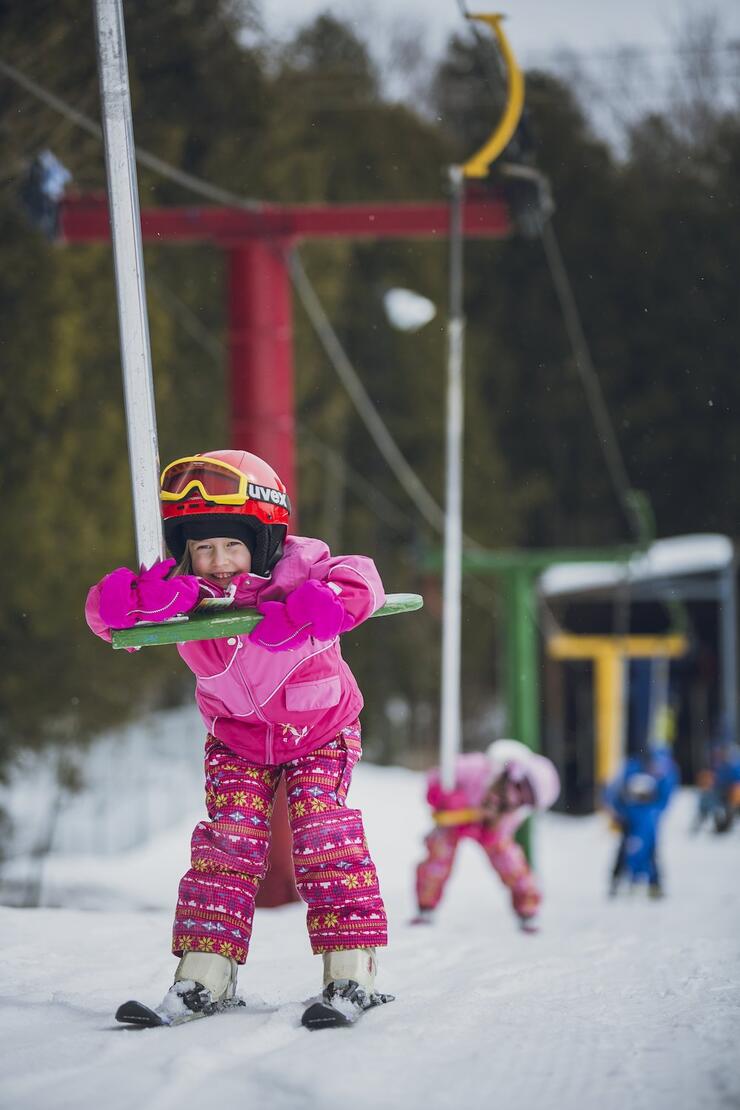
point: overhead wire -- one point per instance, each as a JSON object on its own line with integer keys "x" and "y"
{"x": 366, "y": 492}
{"x": 366, "y": 410}
{"x": 587, "y": 372}
{"x": 359, "y": 396}
{"x": 144, "y": 157}
{"x": 213, "y": 347}
{"x": 187, "y": 318}
{"x": 476, "y": 590}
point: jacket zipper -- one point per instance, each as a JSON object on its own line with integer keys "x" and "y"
{"x": 268, "y": 739}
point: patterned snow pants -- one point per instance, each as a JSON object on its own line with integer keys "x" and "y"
{"x": 505, "y": 855}
{"x": 334, "y": 873}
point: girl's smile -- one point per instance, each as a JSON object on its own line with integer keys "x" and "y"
{"x": 220, "y": 559}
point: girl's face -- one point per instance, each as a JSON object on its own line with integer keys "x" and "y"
{"x": 506, "y": 795}
{"x": 220, "y": 559}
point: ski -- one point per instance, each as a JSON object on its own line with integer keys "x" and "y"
{"x": 341, "y": 1004}
{"x": 136, "y": 1014}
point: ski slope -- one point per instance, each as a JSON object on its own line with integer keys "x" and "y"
{"x": 614, "y": 1005}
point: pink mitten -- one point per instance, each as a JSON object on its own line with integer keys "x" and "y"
{"x": 316, "y": 603}
{"x": 276, "y": 631}
{"x": 126, "y": 598}
{"x": 161, "y": 597}
{"x": 118, "y": 599}
{"x": 311, "y": 610}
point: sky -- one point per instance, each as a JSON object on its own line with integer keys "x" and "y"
{"x": 535, "y": 27}
{"x": 580, "y": 40}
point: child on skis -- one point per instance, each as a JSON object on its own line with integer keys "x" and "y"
{"x": 637, "y": 799}
{"x": 493, "y": 793}
{"x": 280, "y": 701}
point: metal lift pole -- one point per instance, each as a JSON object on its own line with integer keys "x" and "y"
{"x": 123, "y": 200}
{"x": 477, "y": 166}
{"x": 452, "y": 580}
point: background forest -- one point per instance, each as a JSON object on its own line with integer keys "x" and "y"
{"x": 650, "y": 233}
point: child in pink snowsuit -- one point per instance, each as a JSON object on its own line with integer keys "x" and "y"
{"x": 279, "y": 702}
{"x": 493, "y": 793}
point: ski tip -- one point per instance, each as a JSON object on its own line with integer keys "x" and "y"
{"x": 136, "y": 1013}
{"x": 322, "y": 1016}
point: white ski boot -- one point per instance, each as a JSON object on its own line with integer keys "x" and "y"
{"x": 205, "y": 984}
{"x": 349, "y": 989}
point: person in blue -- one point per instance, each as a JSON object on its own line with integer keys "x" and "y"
{"x": 637, "y": 799}
{"x": 719, "y": 795}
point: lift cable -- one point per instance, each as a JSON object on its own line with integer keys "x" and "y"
{"x": 366, "y": 410}
{"x": 144, "y": 157}
{"x": 588, "y": 375}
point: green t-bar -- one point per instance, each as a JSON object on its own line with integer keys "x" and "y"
{"x": 228, "y": 622}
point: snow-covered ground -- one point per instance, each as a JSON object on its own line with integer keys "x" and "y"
{"x": 615, "y": 1005}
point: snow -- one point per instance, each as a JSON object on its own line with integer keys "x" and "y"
{"x": 617, "y": 1004}
{"x": 679, "y": 555}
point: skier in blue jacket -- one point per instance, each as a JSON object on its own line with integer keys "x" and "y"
{"x": 637, "y": 799}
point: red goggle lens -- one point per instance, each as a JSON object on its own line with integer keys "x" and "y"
{"x": 214, "y": 479}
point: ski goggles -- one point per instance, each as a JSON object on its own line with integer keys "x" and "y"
{"x": 213, "y": 479}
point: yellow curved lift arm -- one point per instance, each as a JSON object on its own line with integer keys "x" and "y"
{"x": 479, "y": 164}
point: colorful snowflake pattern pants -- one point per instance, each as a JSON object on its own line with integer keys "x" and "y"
{"x": 334, "y": 873}
{"x": 505, "y": 855}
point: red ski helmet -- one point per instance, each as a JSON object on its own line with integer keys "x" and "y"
{"x": 225, "y": 493}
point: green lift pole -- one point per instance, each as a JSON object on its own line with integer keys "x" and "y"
{"x": 518, "y": 572}
{"x": 522, "y": 678}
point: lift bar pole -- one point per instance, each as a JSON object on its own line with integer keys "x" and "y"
{"x": 123, "y": 201}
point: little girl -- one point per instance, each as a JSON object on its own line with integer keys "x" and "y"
{"x": 278, "y": 702}
{"x": 493, "y": 793}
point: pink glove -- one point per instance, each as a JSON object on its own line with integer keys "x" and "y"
{"x": 126, "y": 598}
{"x": 311, "y": 610}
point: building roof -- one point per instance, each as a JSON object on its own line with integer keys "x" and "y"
{"x": 664, "y": 560}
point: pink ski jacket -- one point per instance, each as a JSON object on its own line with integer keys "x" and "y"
{"x": 474, "y": 773}
{"x": 275, "y": 707}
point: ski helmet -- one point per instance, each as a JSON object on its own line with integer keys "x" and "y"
{"x": 225, "y": 493}
{"x": 640, "y": 787}
{"x": 537, "y": 769}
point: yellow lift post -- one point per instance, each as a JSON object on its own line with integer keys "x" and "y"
{"x": 608, "y": 654}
